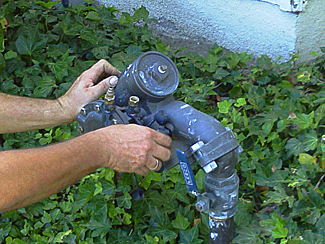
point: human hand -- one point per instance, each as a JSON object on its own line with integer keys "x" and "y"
{"x": 89, "y": 86}
{"x": 133, "y": 148}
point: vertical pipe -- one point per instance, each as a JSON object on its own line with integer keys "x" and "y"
{"x": 221, "y": 231}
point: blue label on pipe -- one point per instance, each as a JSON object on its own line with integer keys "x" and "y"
{"x": 187, "y": 172}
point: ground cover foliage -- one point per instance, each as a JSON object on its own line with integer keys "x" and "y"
{"x": 275, "y": 110}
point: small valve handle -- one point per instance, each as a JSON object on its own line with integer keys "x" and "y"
{"x": 187, "y": 173}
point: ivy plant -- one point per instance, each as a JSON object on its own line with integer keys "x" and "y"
{"x": 275, "y": 110}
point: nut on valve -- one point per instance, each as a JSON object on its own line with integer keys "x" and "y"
{"x": 134, "y": 101}
{"x": 110, "y": 96}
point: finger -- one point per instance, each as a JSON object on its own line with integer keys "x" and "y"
{"x": 162, "y": 139}
{"x": 161, "y": 153}
{"x": 154, "y": 164}
{"x": 103, "y": 86}
{"x": 100, "y": 70}
{"x": 142, "y": 171}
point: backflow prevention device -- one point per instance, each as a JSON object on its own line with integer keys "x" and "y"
{"x": 143, "y": 96}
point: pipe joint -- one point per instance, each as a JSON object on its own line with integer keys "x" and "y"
{"x": 223, "y": 194}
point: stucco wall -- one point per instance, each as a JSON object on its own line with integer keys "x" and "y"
{"x": 239, "y": 25}
{"x": 311, "y": 29}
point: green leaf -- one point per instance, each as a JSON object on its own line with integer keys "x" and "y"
{"x": 46, "y": 218}
{"x": 321, "y": 225}
{"x": 275, "y": 179}
{"x": 140, "y": 13}
{"x": 102, "y": 52}
{"x": 89, "y": 35}
{"x": 199, "y": 178}
{"x": 2, "y": 63}
{"x": 99, "y": 223}
{"x": 224, "y": 106}
{"x": 4, "y": 230}
{"x": 279, "y": 196}
{"x": 10, "y": 54}
{"x": 61, "y": 235}
{"x": 313, "y": 238}
{"x": 240, "y": 102}
{"x": 124, "y": 201}
{"x": 180, "y": 222}
{"x": 310, "y": 141}
{"x": 49, "y": 4}
{"x": 92, "y": 15}
{"x": 2, "y": 43}
{"x": 319, "y": 113}
{"x": 294, "y": 146}
{"x": 303, "y": 120}
{"x": 30, "y": 43}
{"x": 248, "y": 234}
{"x": 151, "y": 240}
{"x": 179, "y": 192}
{"x": 134, "y": 50}
{"x": 190, "y": 236}
{"x": 161, "y": 226}
{"x": 60, "y": 67}
{"x": 220, "y": 74}
{"x": 306, "y": 159}
{"x": 45, "y": 87}
{"x": 98, "y": 189}
{"x": 69, "y": 27}
{"x": 279, "y": 231}
{"x": 152, "y": 176}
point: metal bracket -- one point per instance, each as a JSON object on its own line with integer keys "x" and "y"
{"x": 206, "y": 153}
{"x": 289, "y": 5}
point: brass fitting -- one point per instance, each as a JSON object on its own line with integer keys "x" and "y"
{"x": 110, "y": 96}
{"x": 134, "y": 101}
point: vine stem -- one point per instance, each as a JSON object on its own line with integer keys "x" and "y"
{"x": 318, "y": 183}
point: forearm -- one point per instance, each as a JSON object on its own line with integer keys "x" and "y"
{"x": 30, "y": 175}
{"x": 23, "y": 113}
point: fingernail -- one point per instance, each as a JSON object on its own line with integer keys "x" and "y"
{"x": 113, "y": 81}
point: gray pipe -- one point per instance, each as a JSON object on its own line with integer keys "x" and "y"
{"x": 222, "y": 183}
{"x": 152, "y": 78}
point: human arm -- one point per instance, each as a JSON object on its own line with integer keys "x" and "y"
{"x": 23, "y": 113}
{"x": 30, "y": 175}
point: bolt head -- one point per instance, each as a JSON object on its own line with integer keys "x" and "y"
{"x": 201, "y": 206}
{"x": 195, "y": 147}
{"x": 97, "y": 108}
{"x": 83, "y": 112}
{"x": 210, "y": 167}
{"x": 162, "y": 69}
{"x": 80, "y": 129}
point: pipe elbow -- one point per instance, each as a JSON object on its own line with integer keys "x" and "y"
{"x": 226, "y": 164}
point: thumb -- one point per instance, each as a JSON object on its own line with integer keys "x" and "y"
{"x": 102, "y": 87}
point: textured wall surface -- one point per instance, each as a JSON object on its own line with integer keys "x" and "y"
{"x": 239, "y": 25}
{"x": 311, "y": 29}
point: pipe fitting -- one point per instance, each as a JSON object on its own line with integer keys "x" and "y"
{"x": 224, "y": 192}
{"x": 134, "y": 101}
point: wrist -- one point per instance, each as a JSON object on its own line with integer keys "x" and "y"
{"x": 97, "y": 141}
{"x": 66, "y": 110}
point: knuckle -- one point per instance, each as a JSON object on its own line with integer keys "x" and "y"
{"x": 169, "y": 141}
{"x": 168, "y": 154}
{"x": 146, "y": 145}
{"x": 104, "y": 62}
{"x": 82, "y": 75}
{"x": 148, "y": 133}
{"x": 141, "y": 159}
{"x": 105, "y": 85}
